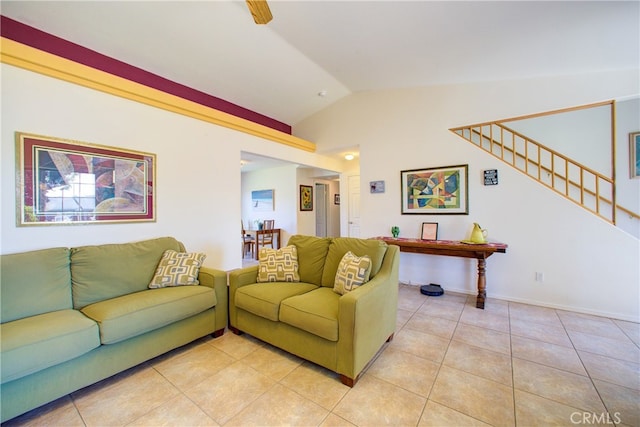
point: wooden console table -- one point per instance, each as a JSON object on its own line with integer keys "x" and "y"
{"x": 453, "y": 248}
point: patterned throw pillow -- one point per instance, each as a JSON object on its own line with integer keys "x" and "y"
{"x": 352, "y": 272}
{"x": 278, "y": 265}
{"x": 177, "y": 269}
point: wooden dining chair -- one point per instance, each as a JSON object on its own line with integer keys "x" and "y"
{"x": 248, "y": 242}
{"x": 266, "y": 237}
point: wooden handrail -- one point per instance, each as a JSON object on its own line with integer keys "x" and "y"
{"x": 551, "y": 171}
{"x": 480, "y": 136}
{"x": 556, "y": 153}
{"x": 628, "y": 212}
{"x": 533, "y": 116}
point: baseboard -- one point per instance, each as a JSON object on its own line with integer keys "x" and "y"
{"x": 582, "y": 310}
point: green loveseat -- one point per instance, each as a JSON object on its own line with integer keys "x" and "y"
{"x": 307, "y": 318}
{"x": 72, "y": 317}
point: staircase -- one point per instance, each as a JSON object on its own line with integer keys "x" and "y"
{"x": 576, "y": 182}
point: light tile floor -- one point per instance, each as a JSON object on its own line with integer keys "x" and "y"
{"x": 449, "y": 364}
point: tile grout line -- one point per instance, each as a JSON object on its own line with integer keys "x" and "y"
{"x": 426, "y": 402}
{"x": 591, "y": 379}
{"x": 513, "y": 378}
{"x": 441, "y": 364}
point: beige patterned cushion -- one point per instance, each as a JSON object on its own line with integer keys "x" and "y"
{"x": 278, "y": 265}
{"x": 352, "y": 272}
{"x": 177, "y": 269}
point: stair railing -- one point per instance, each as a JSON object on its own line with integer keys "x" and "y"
{"x": 576, "y": 182}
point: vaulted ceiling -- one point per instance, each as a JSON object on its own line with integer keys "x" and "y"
{"x": 315, "y": 52}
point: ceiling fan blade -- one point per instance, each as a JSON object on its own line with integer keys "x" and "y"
{"x": 260, "y": 11}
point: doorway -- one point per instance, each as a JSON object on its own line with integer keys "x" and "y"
{"x": 354, "y": 206}
{"x": 321, "y": 209}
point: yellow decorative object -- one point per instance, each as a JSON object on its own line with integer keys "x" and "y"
{"x": 478, "y": 235}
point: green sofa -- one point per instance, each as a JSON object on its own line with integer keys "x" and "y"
{"x": 307, "y": 318}
{"x": 73, "y": 316}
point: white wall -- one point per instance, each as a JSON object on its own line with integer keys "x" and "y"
{"x": 588, "y": 264}
{"x": 569, "y": 132}
{"x": 198, "y": 185}
{"x": 333, "y": 211}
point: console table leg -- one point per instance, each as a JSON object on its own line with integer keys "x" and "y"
{"x": 482, "y": 283}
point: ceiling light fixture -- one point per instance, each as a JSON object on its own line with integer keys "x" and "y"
{"x": 349, "y": 156}
{"x": 322, "y": 93}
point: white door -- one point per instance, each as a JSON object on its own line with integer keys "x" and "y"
{"x": 354, "y": 206}
{"x": 321, "y": 210}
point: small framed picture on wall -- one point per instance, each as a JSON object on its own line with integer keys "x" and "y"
{"x": 306, "y": 198}
{"x": 634, "y": 154}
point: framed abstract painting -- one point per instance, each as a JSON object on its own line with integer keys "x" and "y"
{"x": 63, "y": 182}
{"x": 441, "y": 190}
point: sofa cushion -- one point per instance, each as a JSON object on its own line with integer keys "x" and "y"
{"x": 134, "y": 314}
{"x": 38, "y": 342}
{"x": 352, "y": 272}
{"x": 375, "y": 249}
{"x": 34, "y": 282}
{"x": 315, "y": 312}
{"x": 263, "y": 299}
{"x": 111, "y": 270}
{"x": 312, "y": 252}
{"x": 177, "y": 269}
{"x": 278, "y": 265}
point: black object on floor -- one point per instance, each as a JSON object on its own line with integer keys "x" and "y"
{"x": 432, "y": 290}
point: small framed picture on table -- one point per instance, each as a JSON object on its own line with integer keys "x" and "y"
{"x": 429, "y": 231}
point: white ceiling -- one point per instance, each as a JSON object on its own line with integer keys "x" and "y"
{"x": 252, "y": 162}
{"x": 343, "y": 46}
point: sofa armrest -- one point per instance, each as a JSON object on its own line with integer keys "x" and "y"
{"x": 217, "y": 279}
{"x": 243, "y": 276}
{"x": 237, "y": 279}
{"x": 367, "y": 316}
